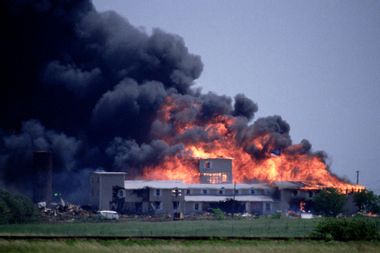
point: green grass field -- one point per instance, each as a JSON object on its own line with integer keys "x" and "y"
{"x": 264, "y": 227}
{"x": 157, "y": 246}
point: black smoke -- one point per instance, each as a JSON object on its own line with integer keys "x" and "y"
{"x": 88, "y": 86}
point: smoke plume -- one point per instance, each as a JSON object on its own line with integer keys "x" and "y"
{"x": 99, "y": 92}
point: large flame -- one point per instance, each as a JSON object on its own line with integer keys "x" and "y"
{"x": 307, "y": 168}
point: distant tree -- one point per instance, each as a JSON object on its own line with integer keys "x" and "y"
{"x": 4, "y": 212}
{"x": 329, "y": 202}
{"x": 15, "y": 208}
{"x": 367, "y": 201}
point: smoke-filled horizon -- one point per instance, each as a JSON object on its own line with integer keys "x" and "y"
{"x": 100, "y": 93}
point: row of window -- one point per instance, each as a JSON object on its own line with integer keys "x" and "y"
{"x": 177, "y": 192}
{"x": 157, "y": 205}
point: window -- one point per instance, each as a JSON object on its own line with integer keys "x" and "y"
{"x": 175, "y": 205}
{"x": 188, "y": 192}
{"x": 138, "y": 207}
{"x": 310, "y": 194}
{"x": 221, "y": 191}
{"x": 252, "y": 191}
{"x": 157, "y": 205}
{"x": 215, "y": 178}
{"x": 176, "y": 192}
{"x": 197, "y": 207}
{"x": 236, "y": 191}
{"x": 204, "y": 191}
{"x": 295, "y": 193}
{"x": 267, "y": 207}
{"x": 207, "y": 164}
{"x": 157, "y": 192}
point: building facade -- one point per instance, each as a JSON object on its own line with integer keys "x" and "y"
{"x": 111, "y": 190}
{"x": 169, "y": 197}
{"x": 102, "y": 184}
{"x": 215, "y": 171}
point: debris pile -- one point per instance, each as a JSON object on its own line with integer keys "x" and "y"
{"x": 62, "y": 211}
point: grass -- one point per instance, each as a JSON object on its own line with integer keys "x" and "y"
{"x": 263, "y": 227}
{"x": 157, "y": 246}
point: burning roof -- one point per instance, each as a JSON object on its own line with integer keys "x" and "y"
{"x": 228, "y": 135}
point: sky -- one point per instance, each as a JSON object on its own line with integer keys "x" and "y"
{"x": 315, "y": 63}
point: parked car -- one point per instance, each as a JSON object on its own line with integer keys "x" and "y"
{"x": 108, "y": 215}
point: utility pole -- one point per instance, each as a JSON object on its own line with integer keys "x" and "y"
{"x": 233, "y": 202}
{"x": 357, "y": 177}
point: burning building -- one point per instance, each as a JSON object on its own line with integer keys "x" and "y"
{"x": 161, "y": 197}
{"x": 130, "y": 104}
{"x": 110, "y": 190}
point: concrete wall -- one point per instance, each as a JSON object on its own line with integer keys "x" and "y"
{"x": 101, "y": 188}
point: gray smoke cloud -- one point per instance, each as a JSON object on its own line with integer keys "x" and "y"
{"x": 17, "y": 152}
{"x": 244, "y": 107}
{"x": 129, "y": 154}
{"x": 89, "y": 87}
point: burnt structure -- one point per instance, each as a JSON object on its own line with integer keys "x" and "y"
{"x": 42, "y": 176}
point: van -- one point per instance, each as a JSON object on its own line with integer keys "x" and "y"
{"x": 108, "y": 215}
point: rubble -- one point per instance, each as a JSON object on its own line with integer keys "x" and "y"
{"x": 62, "y": 211}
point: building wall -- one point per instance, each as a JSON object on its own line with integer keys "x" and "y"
{"x": 215, "y": 166}
{"x": 160, "y": 201}
{"x": 157, "y": 201}
{"x": 194, "y": 208}
{"x": 165, "y": 197}
{"x": 228, "y": 192}
{"x": 101, "y": 188}
{"x": 289, "y": 199}
{"x": 154, "y": 201}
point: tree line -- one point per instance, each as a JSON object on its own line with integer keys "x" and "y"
{"x": 330, "y": 202}
{"x": 16, "y": 208}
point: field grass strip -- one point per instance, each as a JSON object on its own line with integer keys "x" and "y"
{"x": 179, "y": 238}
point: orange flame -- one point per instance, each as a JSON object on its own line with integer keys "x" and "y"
{"x": 306, "y": 168}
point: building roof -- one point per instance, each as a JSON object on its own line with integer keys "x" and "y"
{"x": 288, "y": 185}
{"x": 229, "y": 186}
{"x": 109, "y": 173}
{"x": 211, "y": 198}
{"x": 170, "y": 184}
{"x": 254, "y": 198}
{"x": 157, "y": 184}
{"x": 217, "y": 158}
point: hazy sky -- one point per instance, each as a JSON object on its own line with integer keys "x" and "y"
{"x": 315, "y": 63}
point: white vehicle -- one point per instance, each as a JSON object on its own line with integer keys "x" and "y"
{"x": 108, "y": 214}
